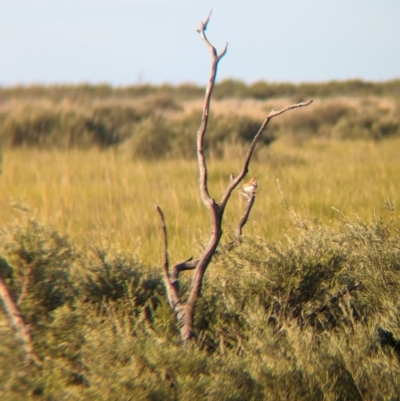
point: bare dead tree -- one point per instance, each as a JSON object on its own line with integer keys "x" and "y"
{"x": 184, "y": 310}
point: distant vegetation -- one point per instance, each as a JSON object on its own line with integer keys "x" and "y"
{"x": 84, "y": 116}
{"x": 225, "y": 89}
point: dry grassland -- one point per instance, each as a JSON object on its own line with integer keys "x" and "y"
{"x": 106, "y": 196}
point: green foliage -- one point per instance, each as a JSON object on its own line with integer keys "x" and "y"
{"x": 110, "y": 125}
{"x": 64, "y": 128}
{"x": 34, "y": 264}
{"x": 76, "y": 124}
{"x": 274, "y": 321}
{"x": 152, "y": 139}
{"x": 224, "y": 89}
{"x": 368, "y": 119}
{"x": 156, "y": 137}
{"x": 230, "y": 88}
{"x": 366, "y": 127}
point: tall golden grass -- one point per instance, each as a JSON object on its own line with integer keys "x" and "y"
{"x": 95, "y": 196}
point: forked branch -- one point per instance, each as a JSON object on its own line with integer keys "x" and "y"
{"x": 235, "y": 182}
{"x": 215, "y": 57}
{"x": 184, "y": 311}
{"x": 171, "y": 280}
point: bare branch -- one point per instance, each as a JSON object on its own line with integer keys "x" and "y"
{"x": 189, "y": 264}
{"x": 172, "y": 290}
{"x": 202, "y": 29}
{"x": 235, "y": 182}
{"x": 275, "y": 113}
{"x": 17, "y": 322}
{"x": 165, "y": 240}
{"x": 205, "y": 196}
{"x": 203, "y": 25}
{"x": 243, "y": 220}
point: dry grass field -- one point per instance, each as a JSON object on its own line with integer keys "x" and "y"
{"x": 96, "y": 195}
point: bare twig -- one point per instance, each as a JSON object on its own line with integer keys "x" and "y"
{"x": 189, "y": 264}
{"x": 235, "y": 182}
{"x": 165, "y": 240}
{"x": 243, "y": 220}
{"x": 172, "y": 289}
{"x": 17, "y": 322}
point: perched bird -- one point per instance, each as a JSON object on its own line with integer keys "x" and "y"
{"x": 250, "y": 186}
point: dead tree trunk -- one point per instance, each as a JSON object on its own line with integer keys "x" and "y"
{"x": 184, "y": 310}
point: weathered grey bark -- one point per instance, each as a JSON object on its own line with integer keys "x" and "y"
{"x": 184, "y": 311}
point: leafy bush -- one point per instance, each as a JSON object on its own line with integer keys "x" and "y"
{"x": 366, "y": 127}
{"x": 157, "y": 137}
{"x": 86, "y": 116}
{"x": 34, "y": 263}
{"x": 152, "y": 139}
{"x": 77, "y": 125}
{"x": 52, "y": 128}
{"x": 225, "y": 89}
{"x": 110, "y": 125}
{"x": 275, "y": 321}
{"x": 368, "y": 119}
{"x": 30, "y": 127}
{"x": 222, "y": 131}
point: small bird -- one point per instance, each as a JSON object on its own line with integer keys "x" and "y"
{"x": 250, "y": 186}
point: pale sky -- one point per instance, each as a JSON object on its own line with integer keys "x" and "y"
{"x": 123, "y": 42}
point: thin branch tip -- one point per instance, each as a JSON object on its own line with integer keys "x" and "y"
{"x": 274, "y": 113}
{"x": 203, "y": 25}
{"x": 224, "y": 51}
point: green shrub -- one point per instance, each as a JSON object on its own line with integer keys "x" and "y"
{"x": 30, "y": 127}
{"x": 366, "y": 127}
{"x": 85, "y": 116}
{"x": 222, "y": 130}
{"x": 111, "y": 125}
{"x": 48, "y": 128}
{"x": 229, "y": 88}
{"x": 35, "y": 265}
{"x": 274, "y": 321}
{"x": 152, "y": 139}
{"x": 64, "y": 127}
